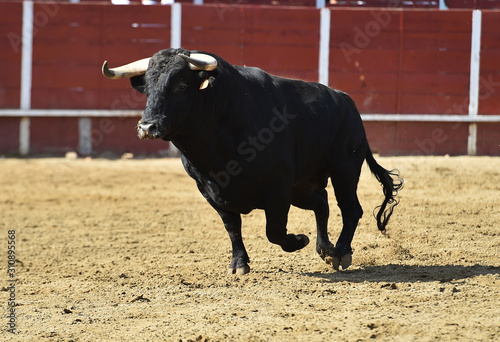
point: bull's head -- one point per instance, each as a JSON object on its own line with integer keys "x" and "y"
{"x": 173, "y": 80}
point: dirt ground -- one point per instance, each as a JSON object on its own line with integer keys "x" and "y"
{"x": 128, "y": 250}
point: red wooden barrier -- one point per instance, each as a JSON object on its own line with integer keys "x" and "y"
{"x": 53, "y": 135}
{"x": 394, "y": 62}
{"x": 336, "y": 3}
{"x": 67, "y": 50}
{"x": 435, "y": 61}
{"x": 10, "y": 58}
{"x": 119, "y": 135}
{"x": 479, "y": 4}
{"x": 281, "y": 41}
{"x": 9, "y": 135}
{"x": 391, "y": 63}
{"x": 418, "y": 138}
{"x": 10, "y": 71}
{"x": 364, "y": 57}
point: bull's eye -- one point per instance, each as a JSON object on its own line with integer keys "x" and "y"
{"x": 182, "y": 86}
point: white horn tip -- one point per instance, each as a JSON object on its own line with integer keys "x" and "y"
{"x": 106, "y": 72}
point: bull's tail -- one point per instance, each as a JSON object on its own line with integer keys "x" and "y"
{"x": 391, "y": 183}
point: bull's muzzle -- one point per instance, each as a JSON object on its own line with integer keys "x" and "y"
{"x": 148, "y": 131}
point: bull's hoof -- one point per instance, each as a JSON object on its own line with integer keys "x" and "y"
{"x": 304, "y": 239}
{"x": 239, "y": 266}
{"x": 336, "y": 262}
{"x": 238, "y": 270}
{"x": 326, "y": 252}
{"x": 346, "y": 261}
{"x": 332, "y": 256}
{"x": 295, "y": 242}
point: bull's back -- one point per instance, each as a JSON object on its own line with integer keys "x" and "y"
{"x": 304, "y": 124}
{"x": 314, "y": 107}
{"x": 327, "y": 124}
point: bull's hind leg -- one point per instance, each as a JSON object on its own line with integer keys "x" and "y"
{"x": 345, "y": 177}
{"x": 317, "y": 200}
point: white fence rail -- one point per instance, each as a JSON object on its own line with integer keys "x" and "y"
{"x": 85, "y": 126}
{"x": 105, "y": 113}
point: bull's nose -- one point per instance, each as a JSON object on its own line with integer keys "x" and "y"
{"x": 147, "y": 130}
{"x": 146, "y": 127}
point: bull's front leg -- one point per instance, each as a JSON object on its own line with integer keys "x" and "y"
{"x": 240, "y": 260}
{"x": 277, "y": 218}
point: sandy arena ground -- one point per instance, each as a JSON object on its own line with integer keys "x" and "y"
{"x": 128, "y": 250}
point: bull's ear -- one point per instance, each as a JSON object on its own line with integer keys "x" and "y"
{"x": 211, "y": 81}
{"x": 208, "y": 79}
{"x": 138, "y": 83}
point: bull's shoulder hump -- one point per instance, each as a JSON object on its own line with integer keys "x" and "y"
{"x": 299, "y": 87}
{"x": 254, "y": 74}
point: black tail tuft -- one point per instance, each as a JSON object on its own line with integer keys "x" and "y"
{"x": 392, "y": 183}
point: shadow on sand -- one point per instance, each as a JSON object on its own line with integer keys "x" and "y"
{"x": 406, "y": 273}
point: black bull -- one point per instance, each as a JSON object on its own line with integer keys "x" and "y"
{"x": 256, "y": 141}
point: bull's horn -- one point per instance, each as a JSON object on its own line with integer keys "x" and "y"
{"x": 200, "y": 61}
{"x": 126, "y": 71}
